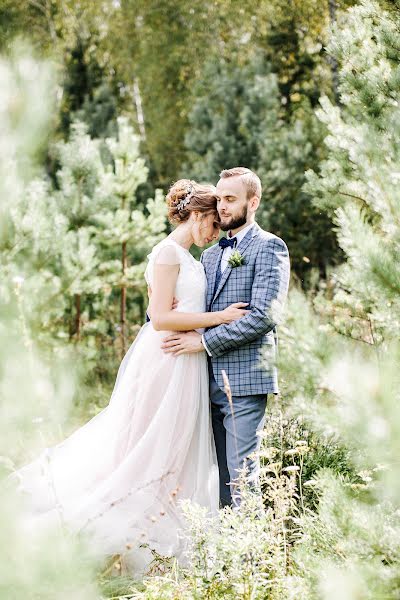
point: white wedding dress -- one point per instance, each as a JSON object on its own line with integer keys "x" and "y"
{"x": 118, "y": 479}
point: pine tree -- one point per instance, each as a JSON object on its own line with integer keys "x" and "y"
{"x": 340, "y": 359}
{"x": 88, "y": 94}
{"x": 358, "y": 184}
{"x": 96, "y": 200}
{"x": 122, "y": 221}
{"x": 228, "y": 123}
{"x": 79, "y": 177}
{"x": 242, "y": 121}
{"x": 85, "y": 238}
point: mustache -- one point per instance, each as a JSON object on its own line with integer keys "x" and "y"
{"x": 233, "y": 224}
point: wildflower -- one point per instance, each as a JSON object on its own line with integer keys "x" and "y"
{"x": 18, "y": 280}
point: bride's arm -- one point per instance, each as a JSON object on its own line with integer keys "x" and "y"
{"x": 165, "y": 319}
{"x": 175, "y": 302}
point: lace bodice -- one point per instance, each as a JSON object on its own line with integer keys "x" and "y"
{"x": 191, "y": 285}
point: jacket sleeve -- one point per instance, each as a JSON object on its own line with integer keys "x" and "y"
{"x": 268, "y": 294}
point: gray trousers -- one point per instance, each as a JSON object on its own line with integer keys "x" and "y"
{"x": 235, "y": 438}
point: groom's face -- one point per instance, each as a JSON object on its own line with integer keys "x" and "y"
{"x": 232, "y": 204}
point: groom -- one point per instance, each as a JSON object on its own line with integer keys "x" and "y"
{"x": 249, "y": 265}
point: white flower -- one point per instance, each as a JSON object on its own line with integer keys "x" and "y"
{"x": 236, "y": 259}
{"x": 18, "y": 280}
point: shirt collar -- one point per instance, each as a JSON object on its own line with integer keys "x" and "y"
{"x": 240, "y": 235}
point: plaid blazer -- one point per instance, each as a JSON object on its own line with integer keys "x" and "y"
{"x": 263, "y": 282}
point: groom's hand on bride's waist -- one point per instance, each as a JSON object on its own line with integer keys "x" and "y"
{"x": 182, "y": 343}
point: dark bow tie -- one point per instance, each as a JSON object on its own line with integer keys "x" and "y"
{"x": 225, "y": 242}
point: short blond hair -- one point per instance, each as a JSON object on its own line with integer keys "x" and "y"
{"x": 251, "y": 180}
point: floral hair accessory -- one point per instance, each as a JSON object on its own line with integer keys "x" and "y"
{"x": 186, "y": 199}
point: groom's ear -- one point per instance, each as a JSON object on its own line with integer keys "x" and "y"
{"x": 254, "y": 203}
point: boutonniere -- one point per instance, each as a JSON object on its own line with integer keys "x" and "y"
{"x": 236, "y": 259}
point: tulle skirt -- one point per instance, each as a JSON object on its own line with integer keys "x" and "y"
{"x": 119, "y": 479}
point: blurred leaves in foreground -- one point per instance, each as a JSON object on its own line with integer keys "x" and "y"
{"x": 33, "y": 393}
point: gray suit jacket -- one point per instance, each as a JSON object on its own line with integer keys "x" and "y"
{"x": 263, "y": 282}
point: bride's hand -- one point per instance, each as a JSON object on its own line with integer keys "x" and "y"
{"x": 233, "y": 312}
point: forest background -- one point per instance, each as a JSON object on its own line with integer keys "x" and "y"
{"x": 103, "y": 105}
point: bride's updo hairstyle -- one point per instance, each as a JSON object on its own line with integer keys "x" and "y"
{"x": 186, "y": 196}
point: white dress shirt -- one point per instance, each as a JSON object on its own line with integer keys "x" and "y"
{"x": 228, "y": 250}
{"x": 224, "y": 262}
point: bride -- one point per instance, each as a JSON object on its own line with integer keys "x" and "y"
{"x": 118, "y": 479}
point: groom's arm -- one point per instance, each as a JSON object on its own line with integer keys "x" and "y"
{"x": 269, "y": 291}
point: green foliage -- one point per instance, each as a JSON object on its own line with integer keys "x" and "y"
{"x": 351, "y": 548}
{"x": 161, "y": 68}
{"x": 73, "y": 250}
{"x": 358, "y": 183}
{"x": 34, "y": 391}
{"x": 88, "y": 95}
{"x": 339, "y": 378}
{"x": 228, "y": 122}
{"x": 81, "y": 244}
{"x": 242, "y": 122}
{"x": 349, "y": 386}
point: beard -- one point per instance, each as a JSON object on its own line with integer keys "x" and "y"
{"x": 235, "y": 222}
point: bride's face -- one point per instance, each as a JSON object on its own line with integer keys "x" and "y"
{"x": 205, "y": 229}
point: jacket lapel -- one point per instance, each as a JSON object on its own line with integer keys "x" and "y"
{"x": 216, "y": 258}
{"x": 241, "y": 248}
